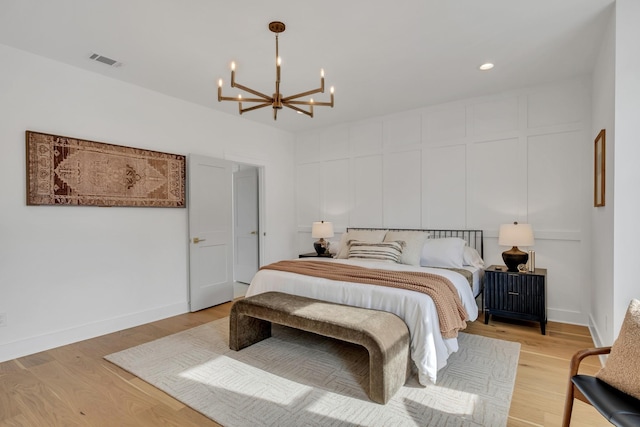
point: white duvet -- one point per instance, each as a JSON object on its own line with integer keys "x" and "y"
{"x": 429, "y": 350}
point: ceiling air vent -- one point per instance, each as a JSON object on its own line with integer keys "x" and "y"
{"x": 110, "y": 62}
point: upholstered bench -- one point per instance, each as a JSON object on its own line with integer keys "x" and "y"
{"x": 383, "y": 334}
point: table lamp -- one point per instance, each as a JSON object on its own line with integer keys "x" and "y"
{"x": 321, "y": 229}
{"x": 515, "y": 235}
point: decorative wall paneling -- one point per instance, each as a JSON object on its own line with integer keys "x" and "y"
{"x": 477, "y": 163}
{"x": 308, "y": 188}
{"x": 402, "y": 189}
{"x": 366, "y": 181}
{"x": 444, "y": 179}
{"x": 335, "y": 192}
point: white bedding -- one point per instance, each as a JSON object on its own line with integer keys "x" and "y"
{"x": 429, "y": 350}
{"x": 478, "y": 274}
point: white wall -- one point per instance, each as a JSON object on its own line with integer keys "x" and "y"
{"x": 626, "y": 154}
{"x": 603, "y": 108}
{"x": 69, "y": 273}
{"x": 520, "y": 156}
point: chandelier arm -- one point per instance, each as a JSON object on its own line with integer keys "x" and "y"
{"x": 299, "y": 95}
{"x": 254, "y": 92}
{"x": 255, "y": 107}
{"x": 304, "y": 103}
{"x": 236, "y": 99}
{"x": 313, "y": 104}
{"x": 300, "y": 110}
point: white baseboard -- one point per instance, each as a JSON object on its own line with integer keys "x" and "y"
{"x": 566, "y": 316}
{"x": 31, "y": 345}
{"x": 597, "y": 339}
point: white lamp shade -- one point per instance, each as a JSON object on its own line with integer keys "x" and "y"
{"x": 322, "y": 229}
{"x": 515, "y": 235}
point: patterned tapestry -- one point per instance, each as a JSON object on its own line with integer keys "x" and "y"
{"x": 70, "y": 171}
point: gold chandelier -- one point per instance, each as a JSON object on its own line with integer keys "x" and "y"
{"x": 276, "y": 101}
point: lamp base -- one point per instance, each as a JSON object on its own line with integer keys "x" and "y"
{"x": 320, "y": 246}
{"x": 513, "y": 258}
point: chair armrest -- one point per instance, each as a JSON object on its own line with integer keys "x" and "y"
{"x": 577, "y": 358}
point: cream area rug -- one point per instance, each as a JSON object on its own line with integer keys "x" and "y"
{"x": 299, "y": 379}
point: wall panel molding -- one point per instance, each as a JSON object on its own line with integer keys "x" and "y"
{"x": 476, "y": 163}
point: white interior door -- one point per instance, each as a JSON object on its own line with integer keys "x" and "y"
{"x": 210, "y": 229}
{"x": 245, "y": 185}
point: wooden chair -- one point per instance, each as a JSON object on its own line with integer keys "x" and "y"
{"x": 619, "y": 408}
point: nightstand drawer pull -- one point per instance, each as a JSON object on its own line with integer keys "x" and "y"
{"x": 514, "y": 293}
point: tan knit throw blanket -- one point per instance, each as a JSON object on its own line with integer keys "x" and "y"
{"x": 451, "y": 313}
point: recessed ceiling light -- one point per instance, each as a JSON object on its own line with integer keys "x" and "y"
{"x": 486, "y": 66}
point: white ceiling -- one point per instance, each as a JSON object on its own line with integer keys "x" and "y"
{"x": 382, "y": 57}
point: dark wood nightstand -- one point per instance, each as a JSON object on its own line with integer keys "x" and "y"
{"x": 516, "y": 295}
{"x": 315, "y": 255}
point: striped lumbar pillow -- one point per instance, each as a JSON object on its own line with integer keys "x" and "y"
{"x": 382, "y": 251}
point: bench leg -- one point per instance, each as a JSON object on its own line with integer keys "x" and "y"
{"x": 388, "y": 371}
{"x": 245, "y": 330}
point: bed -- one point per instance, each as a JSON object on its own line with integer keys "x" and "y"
{"x": 429, "y": 349}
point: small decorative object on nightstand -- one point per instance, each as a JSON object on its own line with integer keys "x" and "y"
{"x": 315, "y": 255}
{"x": 516, "y": 295}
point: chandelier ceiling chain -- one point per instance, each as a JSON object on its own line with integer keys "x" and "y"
{"x": 276, "y": 101}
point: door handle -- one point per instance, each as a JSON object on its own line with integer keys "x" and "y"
{"x": 198, "y": 240}
{"x": 253, "y": 232}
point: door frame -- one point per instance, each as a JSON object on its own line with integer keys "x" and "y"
{"x": 260, "y": 165}
{"x": 239, "y": 169}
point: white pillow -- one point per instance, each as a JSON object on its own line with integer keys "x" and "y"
{"x": 414, "y": 241}
{"x": 334, "y": 246}
{"x": 379, "y": 251}
{"x": 472, "y": 257}
{"x": 374, "y": 236}
{"x": 446, "y": 252}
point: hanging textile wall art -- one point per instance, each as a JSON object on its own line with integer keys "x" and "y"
{"x": 72, "y": 171}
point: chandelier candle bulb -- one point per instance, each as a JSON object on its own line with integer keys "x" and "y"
{"x": 233, "y": 74}
{"x": 278, "y": 62}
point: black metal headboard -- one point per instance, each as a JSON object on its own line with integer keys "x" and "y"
{"x": 474, "y": 238}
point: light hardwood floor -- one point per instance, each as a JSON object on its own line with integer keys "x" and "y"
{"x": 74, "y": 386}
